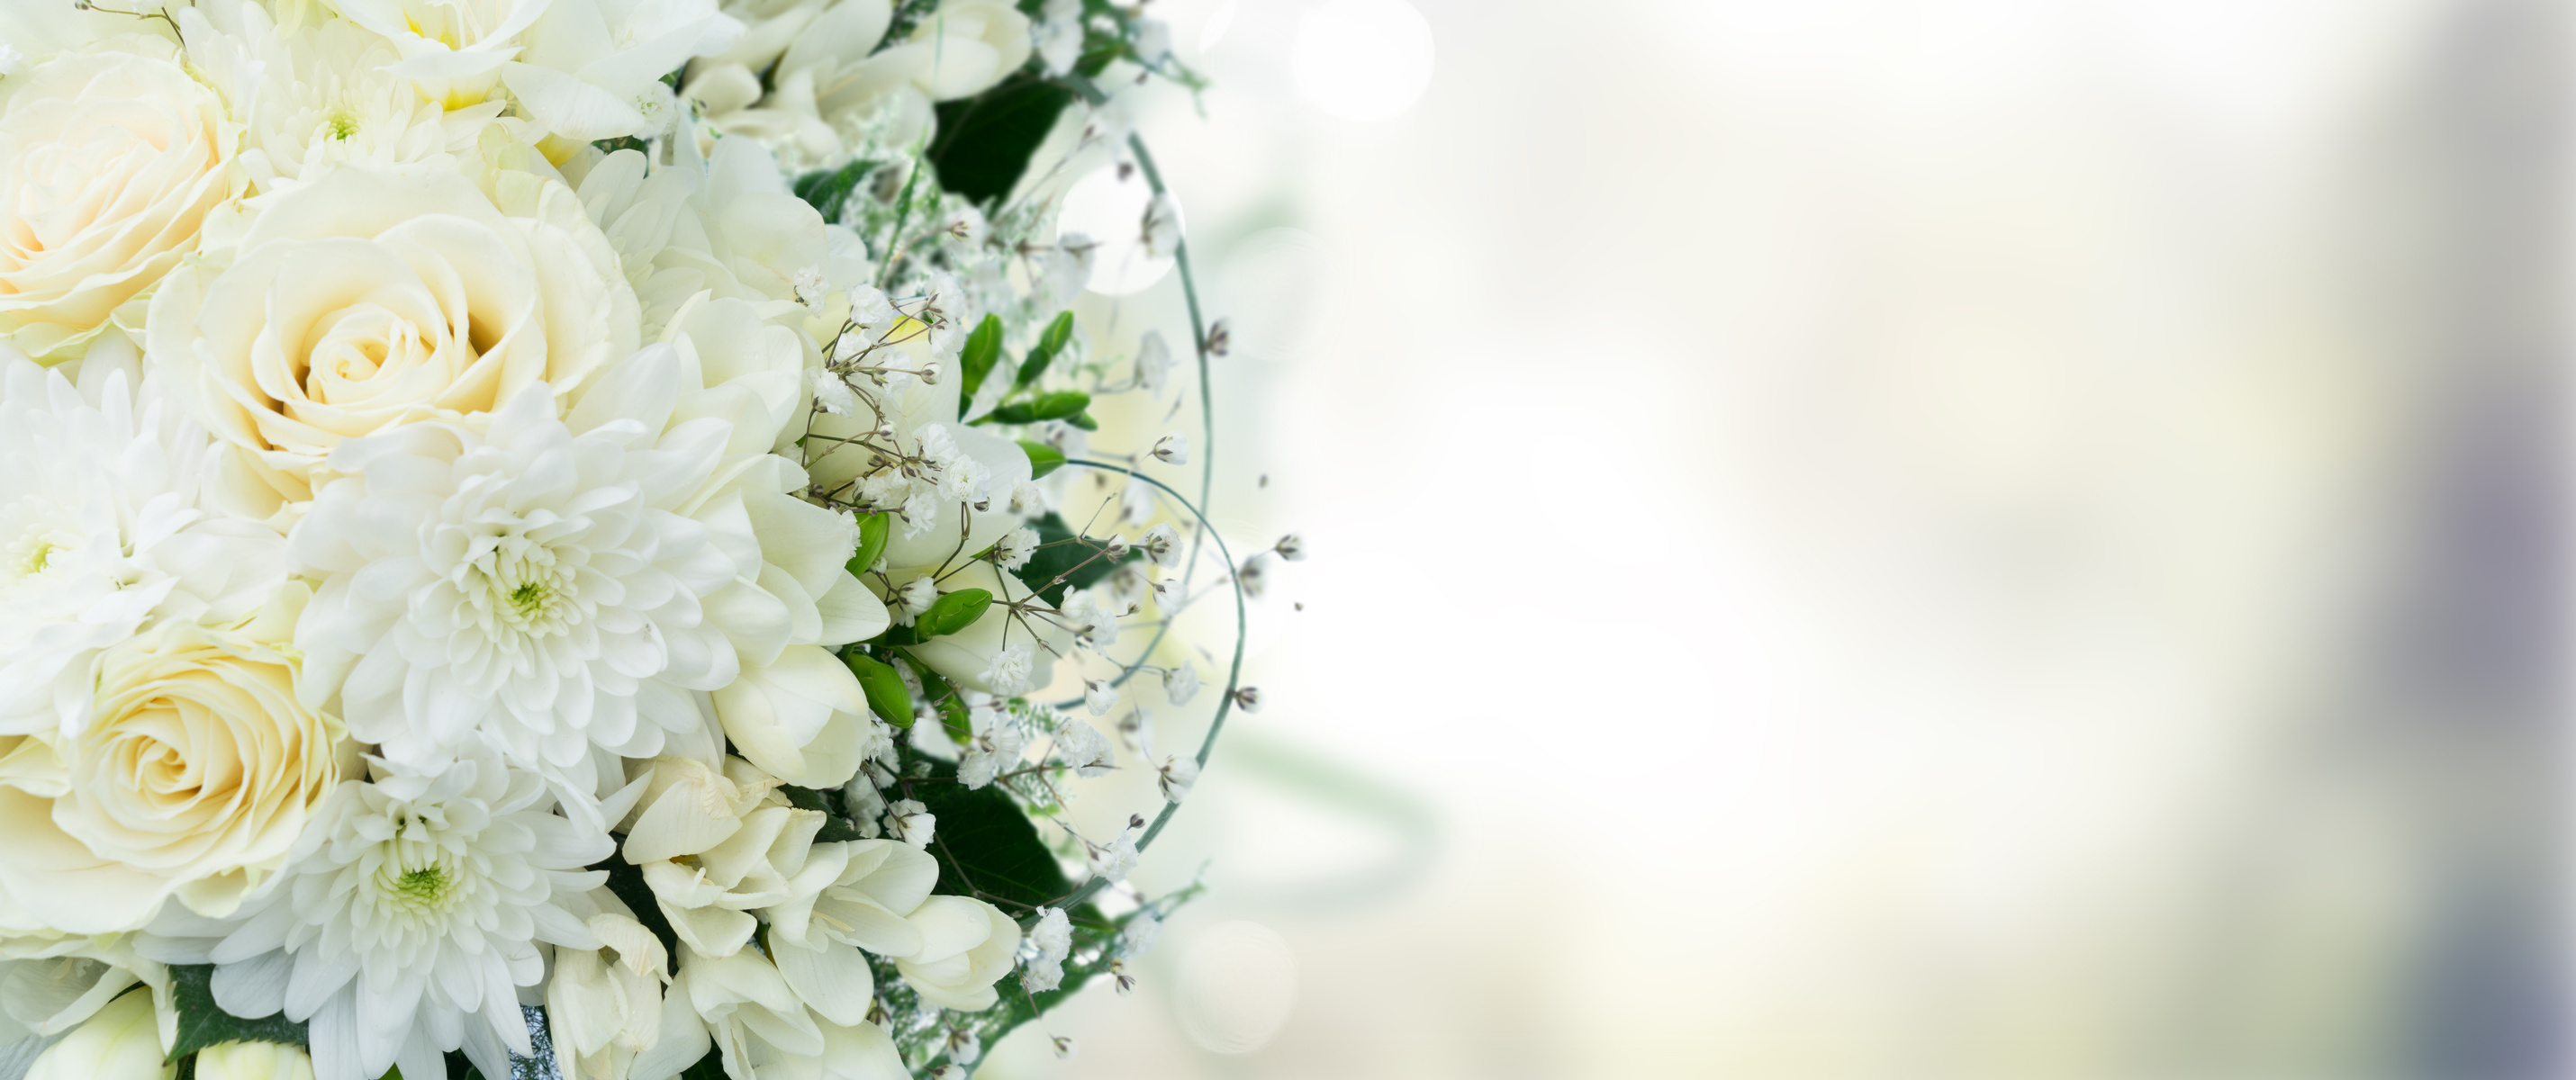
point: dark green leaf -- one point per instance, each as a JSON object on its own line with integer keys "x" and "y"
{"x": 983, "y": 347}
{"x": 1060, "y": 405}
{"x": 887, "y": 696}
{"x": 202, "y": 1023}
{"x": 710, "y": 1067}
{"x": 1058, "y": 555}
{"x": 1084, "y": 421}
{"x": 985, "y": 141}
{"x": 954, "y": 611}
{"x": 985, "y": 841}
{"x": 828, "y": 190}
{"x": 950, "y": 704}
{"x": 873, "y": 531}
{"x": 1050, "y": 343}
{"x": 623, "y": 142}
{"x": 1043, "y": 459}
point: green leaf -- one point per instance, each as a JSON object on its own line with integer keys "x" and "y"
{"x": 983, "y": 347}
{"x": 873, "y": 531}
{"x": 985, "y": 839}
{"x": 1043, "y": 459}
{"x": 950, "y": 704}
{"x": 1058, "y": 334}
{"x": 1061, "y": 404}
{"x": 954, "y": 611}
{"x": 623, "y": 142}
{"x": 1084, "y": 421}
{"x": 1059, "y": 553}
{"x": 887, "y": 696}
{"x": 828, "y": 190}
{"x": 985, "y": 141}
{"x": 202, "y": 1023}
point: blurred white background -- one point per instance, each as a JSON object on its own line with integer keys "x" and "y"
{"x": 1975, "y": 538}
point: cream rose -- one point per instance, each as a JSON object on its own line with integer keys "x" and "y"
{"x": 193, "y": 778}
{"x": 109, "y": 162}
{"x": 368, "y": 299}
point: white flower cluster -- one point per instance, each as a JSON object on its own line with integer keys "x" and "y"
{"x": 482, "y": 484}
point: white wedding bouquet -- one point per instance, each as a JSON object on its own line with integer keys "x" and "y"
{"x": 540, "y": 537}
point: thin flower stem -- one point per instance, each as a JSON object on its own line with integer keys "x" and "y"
{"x": 1233, "y": 675}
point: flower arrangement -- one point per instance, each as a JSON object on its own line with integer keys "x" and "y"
{"x": 577, "y": 538}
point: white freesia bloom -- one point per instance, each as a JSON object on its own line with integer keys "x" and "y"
{"x": 966, "y": 945}
{"x": 727, "y": 225}
{"x": 529, "y": 586}
{"x": 412, "y": 914}
{"x": 604, "y": 1006}
{"x": 742, "y": 1006}
{"x": 103, "y": 525}
{"x": 121, "y": 1042}
{"x": 369, "y": 299}
{"x": 453, "y": 49}
{"x": 110, "y": 160}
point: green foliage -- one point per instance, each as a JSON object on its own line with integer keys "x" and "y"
{"x": 1060, "y": 405}
{"x": 985, "y": 839}
{"x": 1058, "y": 334}
{"x": 944, "y": 698}
{"x": 954, "y": 611}
{"x": 623, "y": 142}
{"x": 1065, "y": 561}
{"x": 828, "y": 190}
{"x": 985, "y": 141}
{"x": 1043, "y": 459}
{"x": 874, "y": 529}
{"x": 888, "y": 697}
{"x": 1083, "y": 421}
{"x": 202, "y": 1023}
{"x": 983, "y": 348}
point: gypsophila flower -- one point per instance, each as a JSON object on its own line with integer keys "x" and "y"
{"x": 1162, "y": 226}
{"x": 1093, "y": 626}
{"x": 963, "y": 1046}
{"x": 1141, "y": 930}
{"x": 1113, "y": 863}
{"x": 1136, "y": 730}
{"x": 1098, "y": 696}
{"x": 948, "y": 1072}
{"x": 1161, "y": 544}
{"x": 1220, "y": 339}
{"x": 1178, "y": 774}
{"x": 1027, "y": 498}
{"x": 1255, "y": 574}
{"x": 1115, "y": 548}
{"x": 1010, "y": 670}
{"x": 1118, "y": 973}
{"x": 1014, "y": 550}
{"x": 1291, "y": 547}
{"x": 1053, "y": 938}
{"x": 1064, "y": 1047}
{"x": 917, "y": 596}
{"x": 1085, "y": 749}
{"x": 908, "y": 821}
{"x": 1153, "y": 41}
{"x": 1180, "y": 683}
{"x": 1172, "y": 449}
{"x": 1248, "y": 699}
{"x": 1154, "y": 362}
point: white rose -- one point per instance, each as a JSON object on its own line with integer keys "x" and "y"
{"x": 122, "y": 1042}
{"x": 966, "y": 944}
{"x": 109, "y": 163}
{"x": 254, "y": 1061}
{"x": 369, "y": 299}
{"x": 194, "y": 776}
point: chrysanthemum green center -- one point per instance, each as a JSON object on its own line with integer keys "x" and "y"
{"x": 341, "y": 125}
{"x": 424, "y": 887}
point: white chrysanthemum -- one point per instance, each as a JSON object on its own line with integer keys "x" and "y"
{"x": 529, "y": 585}
{"x": 411, "y": 916}
{"x": 102, "y": 527}
{"x": 316, "y": 95}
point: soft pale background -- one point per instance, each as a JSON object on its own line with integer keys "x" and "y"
{"x": 1976, "y": 538}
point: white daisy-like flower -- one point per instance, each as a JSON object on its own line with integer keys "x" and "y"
{"x": 530, "y": 586}
{"x": 102, "y": 527}
{"x": 411, "y": 915}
